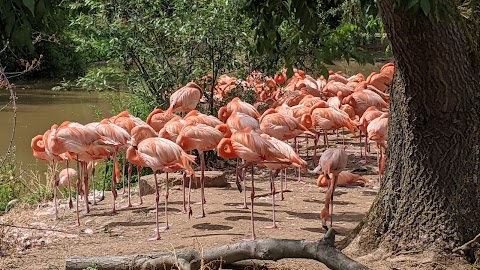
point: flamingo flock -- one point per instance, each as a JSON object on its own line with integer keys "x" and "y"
{"x": 300, "y": 107}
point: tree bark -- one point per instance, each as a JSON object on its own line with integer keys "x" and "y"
{"x": 263, "y": 249}
{"x": 430, "y": 197}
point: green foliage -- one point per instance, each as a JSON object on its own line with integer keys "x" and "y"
{"x": 163, "y": 44}
{"x": 308, "y": 34}
{"x": 34, "y": 29}
{"x": 100, "y": 79}
{"x": 59, "y": 59}
{"x": 435, "y": 11}
{"x": 19, "y": 18}
{"x": 9, "y": 188}
{"x": 39, "y": 194}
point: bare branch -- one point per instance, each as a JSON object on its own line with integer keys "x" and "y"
{"x": 13, "y": 99}
{"x": 263, "y": 249}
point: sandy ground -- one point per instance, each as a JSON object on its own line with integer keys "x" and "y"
{"x": 125, "y": 233}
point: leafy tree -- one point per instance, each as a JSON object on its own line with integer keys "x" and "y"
{"x": 430, "y": 197}
{"x": 30, "y": 28}
{"x": 308, "y": 34}
{"x": 163, "y": 44}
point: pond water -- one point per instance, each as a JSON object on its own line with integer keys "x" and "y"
{"x": 38, "y": 108}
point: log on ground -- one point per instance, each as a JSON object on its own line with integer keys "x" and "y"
{"x": 322, "y": 250}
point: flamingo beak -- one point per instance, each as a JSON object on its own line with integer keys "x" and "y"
{"x": 135, "y": 147}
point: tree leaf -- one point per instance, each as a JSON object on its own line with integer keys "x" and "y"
{"x": 30, "y": 4}
{"x": 40, "y": 9}
{"x": 411, "y": 4}
{"x": 425, "y": 5}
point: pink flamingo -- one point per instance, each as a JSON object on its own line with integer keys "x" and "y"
{"x": 160, "y": 154}
{"x": 253, "y": 148}
{"x": 333, "y": 161}
{"x": 203, "y": 138}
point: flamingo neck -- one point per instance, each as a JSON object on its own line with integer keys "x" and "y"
{"x": 37, "y": 143}
{"x": 225, "y": 149}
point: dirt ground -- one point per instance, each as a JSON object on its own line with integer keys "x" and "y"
{"x": 125, "y": 233}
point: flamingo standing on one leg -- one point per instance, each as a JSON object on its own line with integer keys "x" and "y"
{"x": 292, "y": 156}
{"x": 160, "y": 154}
{"x": 283, "y": 127}
{"x": 203, "y": 138}
{"x": 253, "y": 148}
{"x": 377, "y": 131}
{"x": 120, "y": 138}
{"x": 368, "y": 116}
{"x": 333, "y": 161}
{"x": 138, "y": 134}
{"x": 39, "y": 152}
{"x": 126, "y": 121}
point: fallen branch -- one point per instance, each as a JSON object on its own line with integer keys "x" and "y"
{"x": 262, "y": 249}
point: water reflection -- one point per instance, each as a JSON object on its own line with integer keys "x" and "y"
{"x": 38, "y": 108}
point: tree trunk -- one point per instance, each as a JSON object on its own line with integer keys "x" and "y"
{"x": 430, "y": 197}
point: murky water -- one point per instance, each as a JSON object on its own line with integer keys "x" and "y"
{"x": 38, "y": 108}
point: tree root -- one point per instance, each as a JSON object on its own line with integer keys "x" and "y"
{"x": 263, "y": 249}
{"x": 467, "y": 250}
{"x": 467, "y": 245}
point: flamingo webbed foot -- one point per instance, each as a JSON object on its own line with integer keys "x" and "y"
{"x": 154, "y": 238}
{"x": 274, "y": 226}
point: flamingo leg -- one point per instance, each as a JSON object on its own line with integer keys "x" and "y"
{"x": 104, "y": 181}
{"x": 297, "y": 150}
{"x": 240, "y": 178}
{"x": 184, "y": 176}
{"x": 93, "y": 183}
{"x": 366, "y": 146}
{"x": 272, "y": 188}
{"x": 328, "y": 198}
{"x": 139, "y": 168}
{"x": 202, "y": 180}
{"x": 334, "y": 184}
{"x": 70, "y": 203}
{"x": 113, "y": 189}
{"x": 283, "y": 175}
{"x": 55, "y": 185}
{"x": 245, "y": 189}
{"x": 189, "y": 194}
{"x": 130, "y": 169}
{"x": 315, "y": 145}
{"x": 123, "y": 172}
{"x": 157, "y": 199}
{"x": 252, "y": 197}
{"x": 78, "y": 191}
{"x": 360, "y": 141}
{"x": 85, "y": 184}
{"x": 166, "y": 201}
